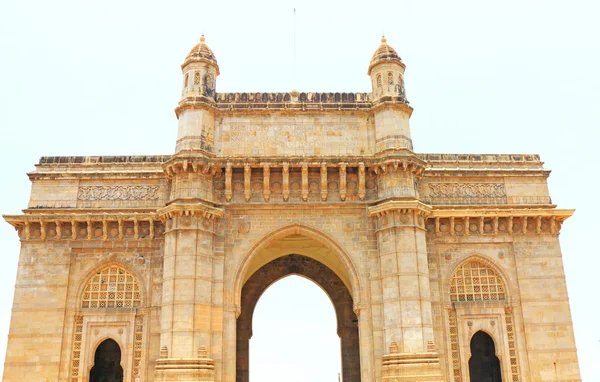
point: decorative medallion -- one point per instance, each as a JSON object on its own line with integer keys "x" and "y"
{"x": 275, "y": 186}
{"x": 244, "y": 227}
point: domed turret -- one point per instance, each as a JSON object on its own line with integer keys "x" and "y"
{"x": 200, "y": 71}
{"x": 391, "y": 110}
{"x": 201, "y": 53}
{"x": 384, "y": 53}
{"x": 387, "y": 74}
{"x": 195, "y": 110}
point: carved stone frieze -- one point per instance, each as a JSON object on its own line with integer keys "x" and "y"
{"x": 142, "y": 192}
{"x": 467, "y": 190}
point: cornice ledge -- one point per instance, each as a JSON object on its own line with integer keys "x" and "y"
{"x": 562, "y": 214}
{"x": 392, "y": 102}
{"x": 199, "y": 102}
{"x": 188, "y": 209}
{"x": 393, "y": 205}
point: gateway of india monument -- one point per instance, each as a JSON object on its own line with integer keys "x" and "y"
{"x": 440, "y": 267}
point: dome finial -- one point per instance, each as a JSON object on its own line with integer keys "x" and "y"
{"x": 383, "y": 39}
{"x": 202, "y": 39}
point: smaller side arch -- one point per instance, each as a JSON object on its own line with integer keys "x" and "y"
{"x": 97, "y": 343}
{"x": 484, "y": 363}
{"x": 106, "y": 367}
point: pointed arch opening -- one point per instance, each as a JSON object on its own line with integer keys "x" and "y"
{"x": 294, "y": 333}
{"x": 332, "y": 285}
{"x": 107, "y": 363}
{"x": 484, "y": 365}
{"x": 301, "y": 240}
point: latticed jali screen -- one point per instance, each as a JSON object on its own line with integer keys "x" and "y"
{"x": 475, "y": 281}
{"x": 112, "y": 287}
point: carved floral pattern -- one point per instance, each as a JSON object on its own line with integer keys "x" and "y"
{"x": 118, "y": 193}
{"x": 468, "y": 190}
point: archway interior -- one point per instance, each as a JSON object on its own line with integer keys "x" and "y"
{"x": 107, "y": 363}
{"x": 301, "y": 245}
{"x": 484, "y": 366}
{"x": 294, "y": 334}
{"x": 334, "y": 287}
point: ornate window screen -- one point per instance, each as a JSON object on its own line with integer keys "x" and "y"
{"x": 475, "y": 281}
{"x": 111, "y": 287}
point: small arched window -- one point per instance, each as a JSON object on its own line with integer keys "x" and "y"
{"x": 187, "y": 77}
{"x": 196, "y": 78}
{"x": 111, "y": 287}
{"x": 475, "y": 281}
{"x": 379, "y": 80}
{"x": 390, "y": 78}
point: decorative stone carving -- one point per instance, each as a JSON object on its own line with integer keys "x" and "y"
{"x": 118, "y": 193}
{"x": 467, "y": 190}
{"x": 244, "y": 227}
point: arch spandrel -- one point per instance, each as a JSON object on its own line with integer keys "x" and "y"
{"x": 302, "y": 240}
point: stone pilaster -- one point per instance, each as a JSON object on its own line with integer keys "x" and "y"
{"x": 187, "y": 312}
{"x": 404, "y": 274}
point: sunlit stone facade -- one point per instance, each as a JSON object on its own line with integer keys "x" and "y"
{"x": 441, "y": 267}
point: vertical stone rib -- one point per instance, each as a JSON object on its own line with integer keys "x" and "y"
{"x": 304, "y": 182}
{"x": 247, "y": 174}
{"x": 361, "y": 181}
{"x": 266, "y": 182}
{"x": 323, "y": 182}
{"x": 286, "y": 181}
{"x": 343, "y": 181}
{"x": 228, "y": 174}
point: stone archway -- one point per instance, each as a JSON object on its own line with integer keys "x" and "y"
{"x": 347, "y": 322}
{"x": 107, "y": 363}
{"x": 484, "y": 366}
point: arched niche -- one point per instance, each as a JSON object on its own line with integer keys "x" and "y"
{"x": 484, "y": 365}
{"x": 107, "y": 363}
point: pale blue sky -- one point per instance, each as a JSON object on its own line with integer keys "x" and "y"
{"x": 102, "y": 78}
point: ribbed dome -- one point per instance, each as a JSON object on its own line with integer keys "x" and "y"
{"x": 201, "y": 52}
{"x": 384, "y": 53}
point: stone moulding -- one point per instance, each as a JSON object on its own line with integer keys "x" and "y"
{"x": 403, "y": 205}
{"x": 91, "y": 226}
{"x": 141, "y": 192}
{"x": 465, "y": 222}
{"x": 421, "y": 367}
{"x": 203, "y": 210}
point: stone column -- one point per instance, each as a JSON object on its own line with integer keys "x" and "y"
{"x": 187, "y": 309}
{"x": 404, "y": 274}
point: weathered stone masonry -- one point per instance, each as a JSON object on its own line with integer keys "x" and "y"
{"x": 167, "y": 255}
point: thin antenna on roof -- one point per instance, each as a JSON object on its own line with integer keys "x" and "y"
{"x": 294, "y": 63}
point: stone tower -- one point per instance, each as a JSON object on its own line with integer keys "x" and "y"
{"x": 407, "y": 322}
{"x": 188, "y": 281}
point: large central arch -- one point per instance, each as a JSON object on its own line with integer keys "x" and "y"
{"x": 347, "y": 322}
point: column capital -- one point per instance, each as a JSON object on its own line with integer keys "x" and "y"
{"x": 387, "y": 207}
{"x": 188, "y": 209}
